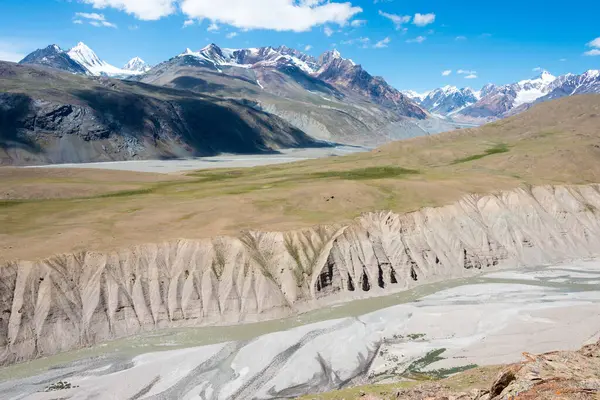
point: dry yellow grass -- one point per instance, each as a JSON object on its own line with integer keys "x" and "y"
{"x": 44, "y": 212}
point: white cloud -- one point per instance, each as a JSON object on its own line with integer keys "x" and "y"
{"x": 361, "y": 41}
{"x": 446, "y": 72}
{"x": 595, "y": 43}
{"x": 537, "y": 69}
{"x": 423, "y": 19}
{"x": 279, "y": 15}
{"x": 307, "y": 47}
{"x": 141, "y": 9}
{"x": 133, "y": 27}
{"x": 358, "y": 23}
{"x": 94, "y": 19}
{"x": 382, "y": 43}
{"x": 471, "y": 76}
{"x": 562, "y": 60}
{"x": 466, "y": 72}
{"x": 418, "y": 39}
{"x": 328, "y": 31}
{"x": 231, "y": 35}
{"x": 595, "y": 51}
{"x": 188, "y": 22}
{"x": 398, "y": 20}
{"x": 213, "y": 27}
{"x": 460, "y": 38}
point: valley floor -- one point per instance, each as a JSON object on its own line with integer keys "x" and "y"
{"x": 221, "y": 161}
{"x": 431, "y": 331}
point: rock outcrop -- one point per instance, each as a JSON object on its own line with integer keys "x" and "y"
{"x": 69, "y": 301}
{"x": 566, "y": 375}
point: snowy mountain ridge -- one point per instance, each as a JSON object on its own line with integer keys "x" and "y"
{"x": 498, "y": 101}
{"x": 82, "y": 59}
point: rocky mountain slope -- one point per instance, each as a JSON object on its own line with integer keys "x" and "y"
{"x": 500, "y": 101}
{"x": 48, "y": 116}
{"x": 329, "y": 98}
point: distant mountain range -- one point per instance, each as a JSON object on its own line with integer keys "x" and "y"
{"x": 82, "y": 60}
{"x": 72, "y": 106}
{"x": 328, "y": 75}
{"x": 499, "y": 101}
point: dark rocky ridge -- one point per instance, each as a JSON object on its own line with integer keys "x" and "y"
{"x": 101, "y": 119}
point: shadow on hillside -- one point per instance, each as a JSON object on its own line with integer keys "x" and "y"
{"x": 202, "y": 126}
{"x": 14, "y": 111}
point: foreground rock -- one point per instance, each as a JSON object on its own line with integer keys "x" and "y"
{"x": 75, "y": 300}
{"x": 567, "y": 375}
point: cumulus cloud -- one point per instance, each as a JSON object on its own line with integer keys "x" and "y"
{"x": 213, "y": 27}
{"x": 328, "y": 31}
{"x": 418, "y": 39}
{"x": 398, "y": 20}
{"x": 446, "y": 72}
{"x": 141, "y": 9}
{"x": 595, "y": 45}
{"x": 94, "y": 19}
{"x": 358, "y": 23}
{"x": 279, "y": 15}
{"x": 466, "y": 72}
{"x": 382, "y": 43}
{"x": 461, "y": 38}
{"x": 188, "y": 22}
{"x": 471, "y": 76}
{"x": 231, "y": 35}
{"x": 307, "y": 47}
{"x": 423, "y": 19}
{"x": 537, "y": 69}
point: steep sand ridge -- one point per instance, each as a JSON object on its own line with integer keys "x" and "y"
{"x": 76, "y": 300}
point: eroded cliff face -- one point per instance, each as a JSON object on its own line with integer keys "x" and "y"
{"x": 76, "y": 300}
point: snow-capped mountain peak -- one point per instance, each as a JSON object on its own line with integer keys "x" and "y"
{"x": 86, "y": 57}
{"x": 136, "y": 65}
{"x": 415, "y": 96}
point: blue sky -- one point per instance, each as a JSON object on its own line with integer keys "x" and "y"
{"x": 487, "y": 41}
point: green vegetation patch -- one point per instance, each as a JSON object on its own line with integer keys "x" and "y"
{"x": 217, "y": 175}
{"x": 382, "y": 172}
{"x": 417, "y": 369}
{"x": 10, "y": 203}
{"x": 497, "y": 149}
{"x": 123, "y": 193}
